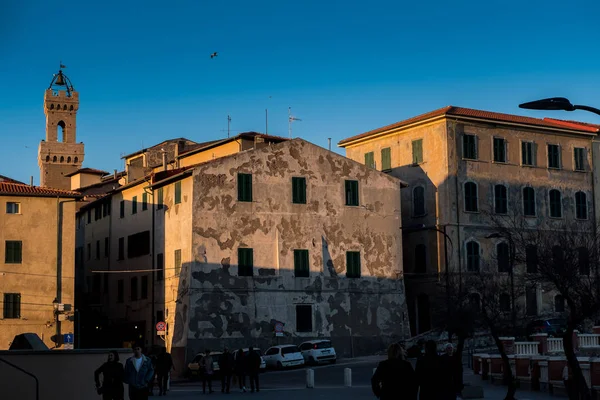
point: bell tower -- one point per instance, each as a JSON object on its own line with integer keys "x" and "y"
{"x": 60, "y": 154}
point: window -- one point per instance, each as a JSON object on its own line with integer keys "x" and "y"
{"x": 144, "y": 201}
{"x": 122, "y": 209}
{"x": 105, "y": 285}
{"x": 417, "y": 151}
{"x": 528, "y": 153}
{"x": 471, "y": 197}
{"x": 419, "y": 201}
{"x": 177, "y": 192}
{"x": 245, "y": 187}
{"x": 473, "y": 257}
{"x": 97, "y": 213}
{"x": 144, "y": 294}
{"x": 301, "y": 265}
{"x": 134, "y": 205}
{"x": 13, "y": 252}
{"x": 470, "y": 147}
{"x": 89, "y": 251}
{"x": 531, "y": 259}
{"x": 121, "y": 249}
{"x": 504, "y": 302}
{"x": 245, "y": 262}
{"x": 138, "y": 244}
{"x": 558, "y": 257}
{"x": 555, "y": 204}
{"x": 353, "y": 264}
{"x": 499, "y": 150}
{"x": 96, "y": 284}
{"x": 370, "y": 159}
{"x": 89, "y": 216}
{"x": 475, "y": 302}
{"x": 106, "y": 247}
{"x": 583, "y": 258}
{"x": 500, "y": 199}
{"x": 159, "y": 200}
{"x": 97, "y": 249}
{"x": 160, "y": 267}
{"x": 106, "y": 209}
{"x": 120, "y": 291}
{"x": 579, "y": 155}
{"x": 298, "y": 190}
{"x": 553, "y": 156}
{"x": 531, "y": 308}
{"x": 304, "y": 318}
{"x": 580, "y": 205}
{"x": 528, "y": 202}
{"x": 559, "y": 303}
{"x": 352, "y": 193}
{"x": 386, "y": 159}
{"x": 13, "y": 208}
{"x": 177, "y": 262}
{"x": 420, "y": 259}
{"x": 503, "y": 254}
{"x": 12, "y": 305}
{"x": 134, "y": 288}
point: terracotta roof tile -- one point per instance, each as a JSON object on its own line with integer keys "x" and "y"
{"x": 20, "y": 189}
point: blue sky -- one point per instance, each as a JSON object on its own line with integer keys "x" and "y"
{"x": 144, "y": 73}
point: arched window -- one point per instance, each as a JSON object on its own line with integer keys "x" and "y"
{"x": 420, "y": 258}
{"x": 502, "y": 253}
{"x": 581, "y": 205}
{"x": 504, "y": 302}
{"x": 558, "y": 256}
{"x": 559, "y": 303}
{"x": 473, "y": 257}
{"x": 471, "y": 202}
{"x": 69, "y": 160}
{"x": 65, "y": 107}
{"x": 75, "y": 160}
{"x": 52, "y": 106}
{"x": 531, "y": 259}
{"x": 61, "y": 129}
{"x": 54, "y": 159}
{"x": 71, "y": 108}
{"x": 528, "y": 202}
{"x": 62, "y": 159}
{"x": 500, "y": 199}
{"x": 583, "y": 258}
{"x": 419, "y": 201}
{"x": 475, "y": 302}
{"x": 555, "y": 204}
{"x": 47, "y": 158}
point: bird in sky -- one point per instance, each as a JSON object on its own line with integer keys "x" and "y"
{"x": 213, "y": 55}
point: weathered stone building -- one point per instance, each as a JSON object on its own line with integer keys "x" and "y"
{"x": 461, "y": 163}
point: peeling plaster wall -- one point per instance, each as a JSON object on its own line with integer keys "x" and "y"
{"x": 359, "y": 315}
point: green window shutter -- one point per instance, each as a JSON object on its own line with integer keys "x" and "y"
{"x": 370, "y": 159}
{"x": 144, "y": 201}
{"x": 122, "y": 209}
{"x": 177, "y": 192}
{"x": 351, "y": 193}
{"x": 417, "y": 149}
{"x": 301, "y": 266}
{"x": 177, "y": 262}
{"x": 245, "y": 187}
{"x": 13, "y": 252}
{"x": 245, "y": 262}
{"x": 386, "y": 159}
{"x": 134, "y": 205}
{"x": 159, "y": 200}
{"x": 353, "y": 264}
{"x": 299, "y": 190}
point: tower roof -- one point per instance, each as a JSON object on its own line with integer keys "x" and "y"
{"x": 60, "y": 80}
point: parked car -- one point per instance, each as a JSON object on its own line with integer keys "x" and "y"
{"x": 554, "y": 327}
{"x": 263, "y": 364}
{"x": 283, "y": 356}
{"x": 318, "y": 351}
{"x": 194, "y": 365}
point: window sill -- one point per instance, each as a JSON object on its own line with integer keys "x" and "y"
{"x": 419, "y": 215}
{"x": 555, "y": 217}
{"x": 500, "y": 162}
{"x": 472, "y": 212}
{"x": 500, "y": 213}
{"x": 583, "y": 171}
{"x": 582, "y": 219}
{"x": 528, "y": 165}
{"x": 554, "y": 168}
{"x": 529, "y": 216}
{"x": 472, "y": 159}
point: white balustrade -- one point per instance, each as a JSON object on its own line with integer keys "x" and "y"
{"x": 543, "y": 371}
{"x": 526, "y": 348}
{"x": 555, "y": 345}
{"x": 589, "y": 340}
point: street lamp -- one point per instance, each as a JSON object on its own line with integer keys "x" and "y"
{"x": 511, "y": 271}
{"x": 557, "y": 103}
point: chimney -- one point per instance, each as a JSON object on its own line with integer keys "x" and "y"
{"x": 164, "y": 162}
{"x": 329, "y": 140}
{"x": 115, "y": 174}
{"x": 31, "y": 181}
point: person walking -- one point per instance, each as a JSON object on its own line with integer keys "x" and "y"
{"x": 448, "y": 378}
{"x": 226, "y": 369}
{"x": 207, "y": 366}
{"x": 394, "y": 378}
{"x": 253, "y": 368}
{"x": 428, "y": 372}
{"x": 112, "y": 372}
{"x": 164, "y": 364}
{"x": 240, "y": 368}
{"x": 138, "y": 374}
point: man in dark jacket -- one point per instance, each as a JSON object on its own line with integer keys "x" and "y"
{"x": 226, "y": 369}
{"x": 253, "y": 368}
{"x": 138, "y": 374}
{"x": 394, "y": 377}
{"x": 164, "y": 363}
{"x": 240, "y": 368}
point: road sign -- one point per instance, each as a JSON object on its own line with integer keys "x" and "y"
{"x": 279, "y": 328}
{"x": 161, "y": 333}
{"x": 161, "y": 327}
{"x": 69, "y": 339}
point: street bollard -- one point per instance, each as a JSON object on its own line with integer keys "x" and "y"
{"x": 347, "y": 377}
{"x": 310, "y": 378}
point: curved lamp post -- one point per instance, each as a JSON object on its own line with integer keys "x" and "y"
{"x": 557, "y": 103}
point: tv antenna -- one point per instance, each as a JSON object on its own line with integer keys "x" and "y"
{"x": 291, "y": 119}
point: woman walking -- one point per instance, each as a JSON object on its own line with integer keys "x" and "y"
{"x": 394, "y": 377}
{"x": 111, "y": 387}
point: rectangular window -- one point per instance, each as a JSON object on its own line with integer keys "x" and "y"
{"x": 144, "y": 201}
{"x": 106, "y": 247}
{"x": 13, "y": 208}
{"x": 159, "y": 199}
{"x": 177, "y": 192}
{"x": 299, "y": 190}
{"x": 120, "y": 291}
{"x": 352, "y": 193}
{"x": 528, "y": 202}
{"x": 144, "y": 294}
{"x": 531, "y": 308}
{"x": 177, "y": 262}
{"x": 470, "y": 147}
{"x": 97, "y": 249}
{"x": 160, "y": 267}
{"x": 121, "y": 249}
{"x": 138, "y": 244}
{"x": 12, "y": 305}
{"x": 245, "y": 262}
{"x": 301, "y": 266}
{"x": 527, "y": 153}
{"x": 134, "y": 288}
{"x": 304, "y": 318}
{"x": 417, "y": 151}
{"x": 471, "y": 197}
{"x": 245, "y": 187}
{"x": 89, "y": 216}
{"x": 579, "y": 154}
{"x": 370, "y": 159}
{"x": 105, "y": 209}
{"x": 386, "y": 159}
{"x": 89, "y": 251}
{"x": 134, "y": 205}
{"x": 13, "y": 252}
{"x": 105, "y": 286}
{"x": 97, "y": 213}
{"x": 553, "y": 156}
{"x": 353, "y": 264}
{"x": 122, "y": 210}
{"x": 500, "y": 199}
{"x": 499, "y": 150}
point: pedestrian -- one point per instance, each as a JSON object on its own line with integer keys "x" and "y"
{"x": 112, "y": 378}
{"x": 138, "y": 374}
{"x": 394, "y": 378}
{"x": 569, "y": 383}
{"x": 428, "y": 371}
{"x": 226, "y": 369}
{"x": 448, "y": 384}
{"x": 240, "y": 369}
{"x": 164, "y": 364}
{"x": 253, "y": 368}
{"x": 207, "y": 367}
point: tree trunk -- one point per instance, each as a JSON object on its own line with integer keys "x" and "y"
{"x": 580, "y": 388}
{"x": 509, "y": 379}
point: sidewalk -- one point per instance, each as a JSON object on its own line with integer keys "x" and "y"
{"x": 498, "y": 392}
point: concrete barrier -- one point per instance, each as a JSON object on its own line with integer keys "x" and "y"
{"x": 310, "y": 378}
{"x": 347, "y": 377}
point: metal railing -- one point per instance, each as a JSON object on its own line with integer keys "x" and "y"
{"x": 37, "y": 382}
